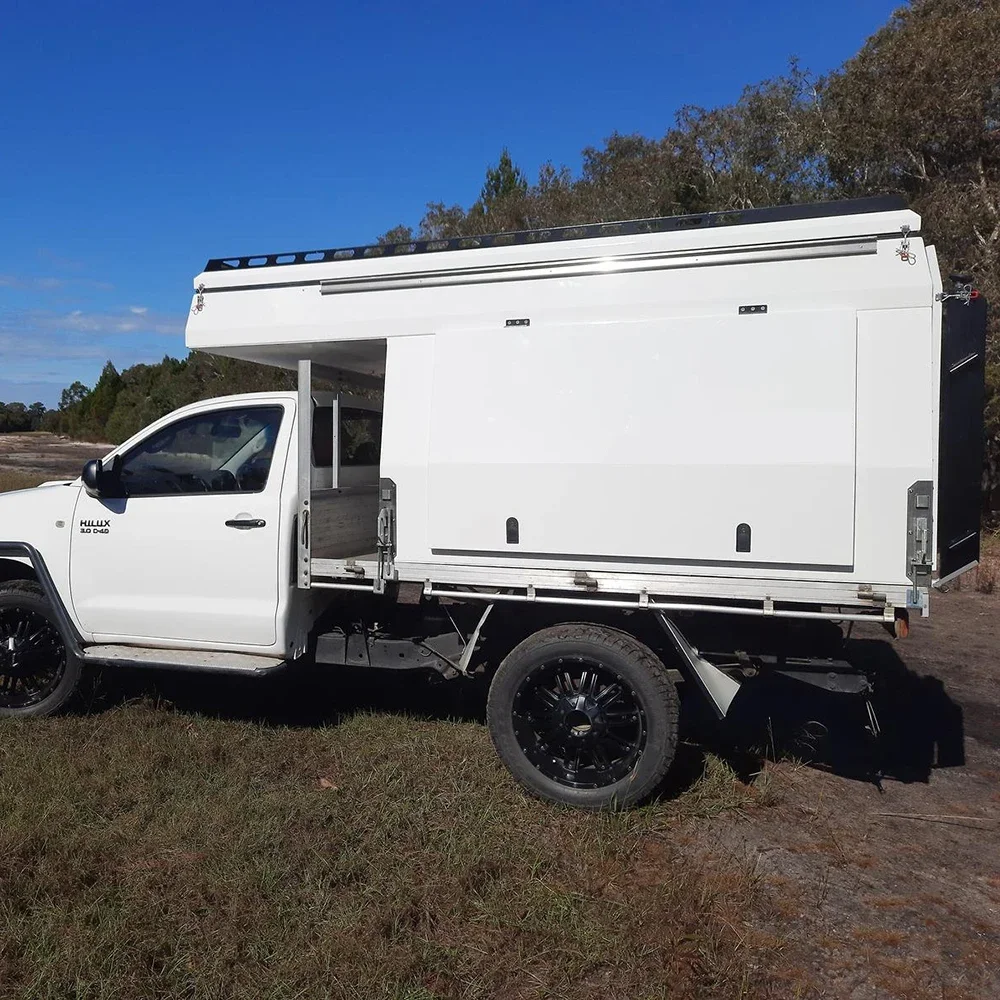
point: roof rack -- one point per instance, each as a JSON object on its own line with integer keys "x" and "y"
{"x": 666, "y": 224}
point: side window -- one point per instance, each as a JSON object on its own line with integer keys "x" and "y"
{"x": 360, "y": 436}
{"x": 220, "y": 451}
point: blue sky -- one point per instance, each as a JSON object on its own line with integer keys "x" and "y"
{"x": 139, "y": 139}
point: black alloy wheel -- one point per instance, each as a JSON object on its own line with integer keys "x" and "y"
{"x": 579, "y": 722}
{"x": 37, "y": 676}
{"x": 584, "y": 715}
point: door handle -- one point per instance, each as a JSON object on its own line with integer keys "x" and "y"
{"x": 246, "y": 524}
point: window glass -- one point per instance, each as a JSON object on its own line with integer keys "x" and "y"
{"x": 220, "y": 451}
{"x": 360, "y": 436}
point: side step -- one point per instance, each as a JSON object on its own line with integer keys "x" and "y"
{"x": 182, "y": 659}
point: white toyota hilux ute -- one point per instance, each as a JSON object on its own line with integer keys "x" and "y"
{"x": 574, "y": 461}
{"x": 183, "y": 551}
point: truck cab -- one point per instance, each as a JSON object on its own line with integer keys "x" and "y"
{"x": 184, "y": 536}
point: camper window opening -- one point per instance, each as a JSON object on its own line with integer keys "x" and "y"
{"x": 360, "y": 436}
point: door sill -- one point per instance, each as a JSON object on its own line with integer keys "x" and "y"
{"x": 183, "y": 659}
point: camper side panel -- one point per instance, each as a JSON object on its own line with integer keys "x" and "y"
{"x": 660, "y": 440}
{"x": 638, "y": 420}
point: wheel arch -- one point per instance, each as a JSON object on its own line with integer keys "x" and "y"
{"x": 512, "y": 623}
{"x": 16, "y": 569}
{"x": 12, "y": 561}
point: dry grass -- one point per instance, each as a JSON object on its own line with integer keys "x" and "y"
{"x": 42, "y": 456}
{"x": 146, "y": 851}
{"x": 987, "y": 572}
{"x": 11, "y": 480}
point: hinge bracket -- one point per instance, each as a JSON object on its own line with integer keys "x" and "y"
{"x": 903, "y": 251}
{"x": 386, "y": 534}
{"x": 919, "y": 542}
{"x": 964, "y": 294}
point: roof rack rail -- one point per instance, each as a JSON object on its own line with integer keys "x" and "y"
{"x": 665, "y": 224}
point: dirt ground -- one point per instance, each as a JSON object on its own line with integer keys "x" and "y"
{"x": 44, "y": 455}
{"x": 889, "y": 886}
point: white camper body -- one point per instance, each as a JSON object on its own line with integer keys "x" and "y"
{"x": 736, "y": 414}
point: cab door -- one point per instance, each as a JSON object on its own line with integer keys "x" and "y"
{"x": 189, "y": 551}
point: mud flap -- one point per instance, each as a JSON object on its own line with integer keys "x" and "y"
{"x": 960, "y": 456}
{"x": 717, "y": 686}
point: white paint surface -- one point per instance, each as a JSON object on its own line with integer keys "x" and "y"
{"x": 169, "y": 568}
{"x": 654, "y": 441}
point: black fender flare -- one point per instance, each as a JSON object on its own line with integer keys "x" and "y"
{"x": 67, "y": 630}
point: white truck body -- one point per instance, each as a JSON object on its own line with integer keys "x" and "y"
{"x": 627, "y": 400}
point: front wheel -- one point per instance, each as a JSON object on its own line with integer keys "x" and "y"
{"x": 37, "y": 674}
{"x": 584, "y": 715}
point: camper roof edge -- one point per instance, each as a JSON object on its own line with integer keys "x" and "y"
{"x": 828, "y": 220}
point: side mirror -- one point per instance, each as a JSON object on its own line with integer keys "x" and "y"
{"x": 99, "y": 481}
{"x": 91, "y": 477}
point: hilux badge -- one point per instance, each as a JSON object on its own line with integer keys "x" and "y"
{"x": 95, "y": 527}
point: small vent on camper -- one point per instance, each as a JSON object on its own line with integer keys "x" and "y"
{"x": 750, "y": 310}
{"x": 513, "y": 531}
{"x": 743, "y": 538}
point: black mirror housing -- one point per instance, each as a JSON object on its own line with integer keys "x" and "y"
{"x": 100, "y": 481}
{"x": 91, "y": 477}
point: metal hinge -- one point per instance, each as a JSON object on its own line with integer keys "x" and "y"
{"x": 919, "y": 540}
{"x": 903, "y": 251}
{"x": 867, "y": 593}
{"x": 386, "y": 534}
{"x": 199, "y": 302}
{"x": 964, "y": 294}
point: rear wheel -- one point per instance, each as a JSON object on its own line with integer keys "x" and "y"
{"x": 37, "y": 675}
{"x": 584, "y": 715}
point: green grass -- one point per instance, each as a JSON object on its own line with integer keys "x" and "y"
{"x": 147, "y": 851}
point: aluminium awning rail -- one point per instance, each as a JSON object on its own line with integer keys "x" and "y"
{"x": 607, "y": 264}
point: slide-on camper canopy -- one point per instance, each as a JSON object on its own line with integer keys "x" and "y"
{"x": 741, "y": 410}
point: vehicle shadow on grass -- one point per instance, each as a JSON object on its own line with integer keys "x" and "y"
{"x": 772, "y": 717}
{"x": 298, "y": 697}
{"x": 312, "y": 698}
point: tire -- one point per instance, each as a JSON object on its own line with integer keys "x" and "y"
{"x": 584, "y": 715}
{"x": 40, "y": 677}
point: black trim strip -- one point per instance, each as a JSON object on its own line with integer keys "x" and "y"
{"x": 596, "y": 230}
{"x": 70, "y": 636}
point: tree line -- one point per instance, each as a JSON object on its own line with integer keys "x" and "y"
{"x": 18, "y": 417}
{"x": 916, "y": 112}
